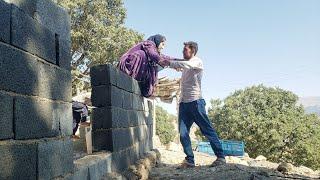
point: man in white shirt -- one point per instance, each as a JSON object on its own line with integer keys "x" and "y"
{"x": 192, "y": 105}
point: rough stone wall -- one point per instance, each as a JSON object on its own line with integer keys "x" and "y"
{"x": 122, "y": 120}
{"x": 35, "y": 90}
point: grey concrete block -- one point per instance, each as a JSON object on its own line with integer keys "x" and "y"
{"x": 54, "y": 17}
{"x": 55, "y": 158}
{"x": 108, "y": 118}
{"x": 137, "y": 102}
{"x": 29, "y": 7}
{"x": 6, "y": 116}
{"x": 46, "y": 12}
{"x": 141, "y": 118}
{"x": 34, "y": 119}
{"x": 122, "y": 138}
{"x": 125, "y": 82}
{"x": 38, "y": 78}
{"x": 104, "y": 75}
{"x": 64, "y": 54}
{"x": 102, "y": 140}
{"x": 102, "y": 118}
{"x": 18, "y": 160}
{"x": 23, "y": 70}
{"x": 133, "y": 118}
{"x": 123, "y": 121}
{"x": 93, "y": 166}
{"x": 127, "y": 100}
{"x": 55, "y": 83}
{"x": 5, "y": 14}
{"x": 31, "y": 36}
{"x": 120, "y": 161}
{"x": 136, "y": 87}
{"x": 62, "y": 114}
{"x": 106, "y": 95}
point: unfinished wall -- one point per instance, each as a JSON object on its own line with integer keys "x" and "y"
{"x": 122, "y": 120}
{"x": 35, "y": 90}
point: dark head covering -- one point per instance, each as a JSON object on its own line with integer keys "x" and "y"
{"x": 157, "y": 39}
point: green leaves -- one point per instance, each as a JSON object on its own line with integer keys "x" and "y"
{"x": 164, "y": 125}
{"x": 270, "y": 123}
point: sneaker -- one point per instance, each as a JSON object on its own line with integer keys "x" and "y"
{"x": 186, "y": 164}
{"x": 219, "y": 162}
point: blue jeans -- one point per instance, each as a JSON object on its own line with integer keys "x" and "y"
{"x": 195, "y": 112}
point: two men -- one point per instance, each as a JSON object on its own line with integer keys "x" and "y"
{"x": 192, "y": 105}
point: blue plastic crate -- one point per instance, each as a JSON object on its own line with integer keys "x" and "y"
{"x": 230, "y": 148}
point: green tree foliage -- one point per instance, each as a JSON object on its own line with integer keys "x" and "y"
{"x": 271, "y": 124}
{"x": 98, "y": 35}
{"x": 164, "y": 125}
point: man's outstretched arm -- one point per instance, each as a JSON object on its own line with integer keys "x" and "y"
{"x": 195, "y": 64}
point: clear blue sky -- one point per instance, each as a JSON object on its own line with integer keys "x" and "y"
{"x": 242, "y": 43}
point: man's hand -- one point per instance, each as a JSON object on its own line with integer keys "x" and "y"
{"x": 179, "y": 69}
{"x": 164, "y": 63}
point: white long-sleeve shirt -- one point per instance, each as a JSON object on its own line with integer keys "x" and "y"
{"x": 192, "y": 71}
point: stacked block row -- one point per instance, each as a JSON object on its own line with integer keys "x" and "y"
{"x": 35, "y": 90}
{"x": 122, "y": 120}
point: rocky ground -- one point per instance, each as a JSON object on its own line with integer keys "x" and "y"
{"x": 237, "y": 168}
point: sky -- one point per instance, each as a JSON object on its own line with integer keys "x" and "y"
{"x": 241, "y": 42}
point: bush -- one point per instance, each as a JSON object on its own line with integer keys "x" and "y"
{"x": 164, "y": 127}
{"x": 270, "y": 123}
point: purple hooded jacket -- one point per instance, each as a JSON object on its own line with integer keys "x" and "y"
{"x": 140, "y": 62}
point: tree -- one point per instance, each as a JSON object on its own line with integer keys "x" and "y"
{"x": 270, "y": 123}
{"x": 164, "y": 127}
{"x": 98, "y": 35}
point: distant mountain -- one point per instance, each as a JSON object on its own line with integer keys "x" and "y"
{"x": 311, "y": 104}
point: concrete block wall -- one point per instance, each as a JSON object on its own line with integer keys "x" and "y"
{"x": 35, "y": 90}
{"x": 122, "y": 121}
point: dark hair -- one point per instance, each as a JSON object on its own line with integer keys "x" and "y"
{"x": 193, "y": 45}
{"x": 157, "y": 39}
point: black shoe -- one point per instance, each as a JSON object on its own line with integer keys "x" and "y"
{"x": 219, "y": 162}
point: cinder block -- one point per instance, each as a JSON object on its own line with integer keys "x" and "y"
{"x": 102, "y": 140}
{"x": 125, "y": 82}
{"x": 123, "y": 121}
{"x": 64, "y": 54}
{"x": 104, "y": 75}
{"x": 122, "y": 138}
{"x": 55, "y": 83}
{"x": 127, "y": 100}
{"x": 54, "y": 17}
{"x": 141, "y": 118}
{"x": 6, "y": 116}
{"x": 27, "y": 6}
{"x": 62, "y": 113}
{"x": 137, "y": 102}
{"x": 102, "y": 118}
{"x": 55, "y": 158}
{"x": 31, "y": 36}
{"x": 120, "y": 161}
{"x": 136, "y": 87}
{"x": 109, "y": 117}
{"x": 5, "y": 22}
{"x": 133, "y": 118}
{"x": 38, "y": 79}
{"x": 18, "y": 160}
{"x": 46, "y": 12}
{"x": 23, "y": 70}
{"x": 34, "y": 119}
{"x": 106, "y": 95}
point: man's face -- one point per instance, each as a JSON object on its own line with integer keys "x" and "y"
{"x": 187, "y": 52}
